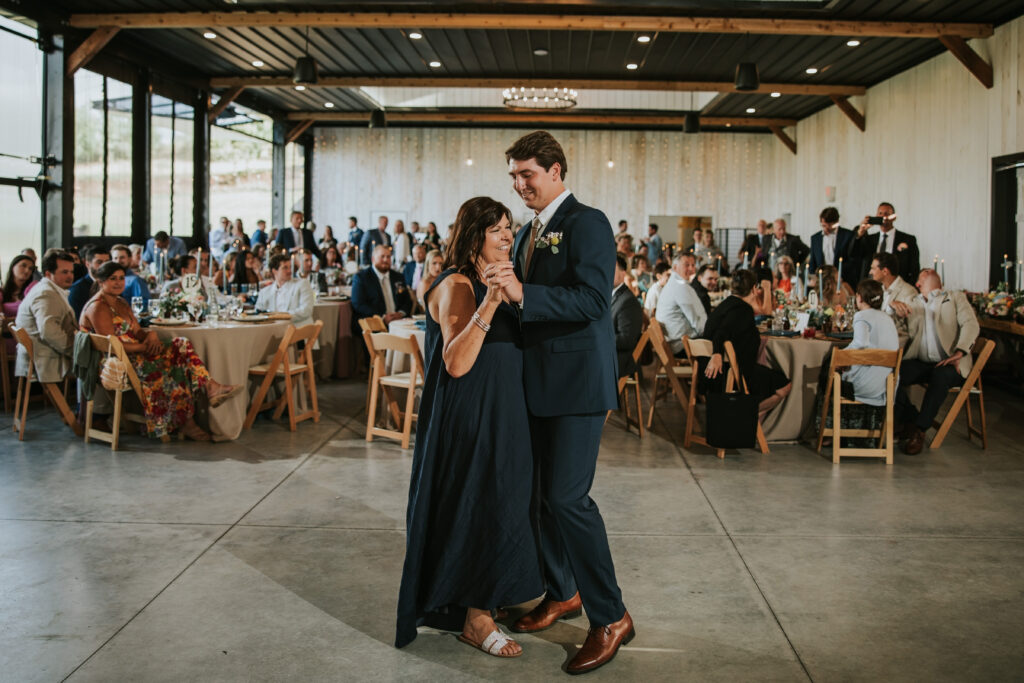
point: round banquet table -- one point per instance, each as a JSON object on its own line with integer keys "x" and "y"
{"x": 405, "y": 327}
{"x": 228, "y": 350}
{"x": 325, "y": 357}
{"x": 801, "y": 360}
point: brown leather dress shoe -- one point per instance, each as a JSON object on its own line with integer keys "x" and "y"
{"x": 544, "y": 615}
{"x": 601, "y": 645}
{"x": 915, "y": 441}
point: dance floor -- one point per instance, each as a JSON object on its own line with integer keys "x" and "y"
{"x": 277, "y": 558}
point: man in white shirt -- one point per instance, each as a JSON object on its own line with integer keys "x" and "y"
{"x": 942, "y": 328}
{"x": 679, "y": 308}
{"x": 285, "y": 294}
{"x": 413, "y": 270}
{"x": 884, "y": 269}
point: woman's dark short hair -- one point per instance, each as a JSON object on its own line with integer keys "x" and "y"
{"x": 743, "y": 282}
{"x": 107, "y": 270}
{"x": 870, "y": 292}
{"x": 830, "y": 215}
{"x": 466, "y": 238}
{"x": 180, "y": 263}
{"x": 277, "y": 259}
{"x": 540, "y": 145}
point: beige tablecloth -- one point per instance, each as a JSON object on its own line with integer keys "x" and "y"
{"x": 801, "y": 360}
{"x": 404, "y": 327}
{"x": 228, "y": 351}
{"x": 336, "y": 355}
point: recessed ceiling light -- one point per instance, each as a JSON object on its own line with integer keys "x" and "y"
{"x": 209, "y": 35}
{"x": 541, "y": 52}
{"x": 300, "y": 87}
{"x": 776, "y": 94}
{"x": 852, "y": 43}
{"x": 812, "y": 70}
{"x": 435, "y": 64}
{"x": 643, "y": 39}
{"x": 631, "y": 67}
{"x": 257, "y": 63}
{"x": 415, "y": 35}
{"x": 751, "y": 110}
{"x": 329, "y": 105}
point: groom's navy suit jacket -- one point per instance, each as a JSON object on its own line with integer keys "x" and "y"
{"x": 569, "y": 364}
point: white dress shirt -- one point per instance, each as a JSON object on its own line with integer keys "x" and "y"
{"x": 828, "y": 247}
{"x": 680, "y": 311}
{"x": 385, "y": 285}
{"x": 932, "y": 350}
{"x": 546, "y": 215}
{"x": 889, "y": 238}
{"x": 402, "y": 247}
{"x": 651, "y": 299}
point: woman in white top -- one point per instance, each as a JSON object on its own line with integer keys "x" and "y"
{"x": 872, "y": 329}
{"x": 662, "y": 271}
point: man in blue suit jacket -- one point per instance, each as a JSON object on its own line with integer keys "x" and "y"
{"x": 373, "y": 237}
{"x": 839, "y": 241}
{"x": 563, "y": 263}
{"x": 368, "y": 295}
{"x": 298, "y": 237}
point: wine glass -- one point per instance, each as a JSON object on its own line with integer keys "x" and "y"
{"x": 154, "y": 308}
{"x": 137, "y": 305}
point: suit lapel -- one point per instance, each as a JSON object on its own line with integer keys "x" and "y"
{"x": 552, "y": 226}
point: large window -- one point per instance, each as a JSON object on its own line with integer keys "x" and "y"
{"x": 21, "y": 81}
{"x": 241, "y": 167}
{"x": 171, "y": 136}
{"x": 103, "y": 156}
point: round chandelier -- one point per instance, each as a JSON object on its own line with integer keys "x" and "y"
{"x": 539, "y": 98}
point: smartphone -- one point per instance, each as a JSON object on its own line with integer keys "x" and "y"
{"x": 875, "y": 220}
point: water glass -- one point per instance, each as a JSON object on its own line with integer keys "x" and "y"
{"x": 137, "y": 305}
{"x": 154, "y": 308}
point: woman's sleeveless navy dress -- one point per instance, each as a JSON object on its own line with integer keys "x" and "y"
{"x": 469, "y": 539}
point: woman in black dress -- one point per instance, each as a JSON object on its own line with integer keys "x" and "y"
{"x": 733, "y": 320}
{"x": 469, "y": 541}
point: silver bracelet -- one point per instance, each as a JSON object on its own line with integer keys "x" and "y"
{"x": 479, "y": 322}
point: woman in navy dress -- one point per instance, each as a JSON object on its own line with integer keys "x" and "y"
{"x": 470, "y": 545}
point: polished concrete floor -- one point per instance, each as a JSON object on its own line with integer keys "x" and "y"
{"x": 277, "y": 558}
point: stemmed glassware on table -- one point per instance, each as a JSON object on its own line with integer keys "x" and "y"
{"x": 137, "y": 306}
{"x": 154, "y": 308}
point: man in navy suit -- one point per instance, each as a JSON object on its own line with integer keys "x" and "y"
{"x": 831, "y": 244}
{"x": 372, "y": 238}
{"x": 297, "y": 237}
{"x": 561, "y": 278}
{"x": 378, "y": 290}
{"x": 890, "y": 241}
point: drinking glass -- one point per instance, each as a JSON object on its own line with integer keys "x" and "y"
{"x": 245, "y": 290}
{"x": 154, "y": 308}
{"x": 137, "y": 305}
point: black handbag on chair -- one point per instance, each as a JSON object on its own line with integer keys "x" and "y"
{"x": 731, "y": 420}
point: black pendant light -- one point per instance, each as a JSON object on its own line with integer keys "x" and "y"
{"x": 305, "y": 72}
{"x": 378, "y": 119}
{"x": 691, "y": 124}
{"x": 746, "y": 73}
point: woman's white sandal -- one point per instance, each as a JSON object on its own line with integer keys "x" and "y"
{"x": 493, "y": 644}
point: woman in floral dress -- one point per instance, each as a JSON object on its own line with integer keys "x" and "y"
{"x": 170, "y": 372}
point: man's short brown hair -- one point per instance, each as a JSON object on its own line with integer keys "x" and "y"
{"x": 540, "y": 145}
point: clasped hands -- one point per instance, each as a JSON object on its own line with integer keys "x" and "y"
{"x": 501, "y": 279}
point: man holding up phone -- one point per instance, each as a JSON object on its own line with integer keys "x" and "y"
{"x": 889, "y": 240}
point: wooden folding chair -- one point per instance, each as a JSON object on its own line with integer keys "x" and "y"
{"x": 696, "y": 348}
{"x": 281, "y": 366}
{"x": 669, "y": 371}
{"x": 112, "y": 345}
{"x": 628, "y": 382}
{"x": 374, "y": 323}
{"x": 379, "y": 344}
{"x": 981, "y": 351}
{"x": 735, "y": 380}
{"x": 842, "y": 358}
{"x": 50, "y": 391}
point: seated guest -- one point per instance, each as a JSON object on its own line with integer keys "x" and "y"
{"x": 435, "y": 264}
{"x": 624, "y": 245}
{"x": 286, "y": 294}
{"x": 640, "y": 275}
{"x": 310, "y": 272}
{"x": 766, "y": 304}
{"x": 662, "y": 272}
{"x": 31, "y": 253}
{"x": 679, "y": 309}
{"x": 889, "y": 240}
{"x": 706, "y": 281}
{"x": 786, "y": 278}
{"x": 160, "y": 242}
{"x": 627, "y": 319}
{"x": 707, "y": 252}
{"x": 259, "y": 235}
{"x": 137, "y": 265}
{"x": 733, "y": 321}
{"x": 327, "y": 241}
{"x": 779, "y": 244}
{"x": 171, "y": 373}
{"x": 16, "y": 287}
{"x": 332, "y": 258}
{"x": 413, "y": 270}
{"x": 49, "y": 320}
{"x": 884, "y": 269}
{"x": 379, "y": 290}
{"x": 872, "y": 329}
{"x": 83, "y": 288}
{"x": 133, "y": 284}
{"x": 942, "y": 328}
{"x": 833, "y": 243}
{"x": 184, "y": 266}
{"x": 831, "y": 295}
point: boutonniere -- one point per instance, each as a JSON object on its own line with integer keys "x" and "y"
{"x": 902, "y": 246}
{"x": 548, "y": 239}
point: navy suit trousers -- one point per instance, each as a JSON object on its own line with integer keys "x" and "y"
{"x": 573, "y": 542}
{"x": 939, "y": 379}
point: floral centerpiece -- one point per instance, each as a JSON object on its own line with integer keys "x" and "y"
{"x": 186, "y": 297}
{"x": 999, "y": 304}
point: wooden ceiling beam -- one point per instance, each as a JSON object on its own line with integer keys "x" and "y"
{"x": 541, "y": 117}
{"x": 851, "y": 111}
{"x": 786, "y": 140}
{"x": 298, "y": 130}
{"x": 542, "y": 22}
{"x": 225, "y": 99}
{"x": 504, "y": 82}
{"x": 89, "y": 48}
{"x": 981, "y": 69}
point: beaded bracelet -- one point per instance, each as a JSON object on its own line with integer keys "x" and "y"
{"x": 479, "y": 322}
